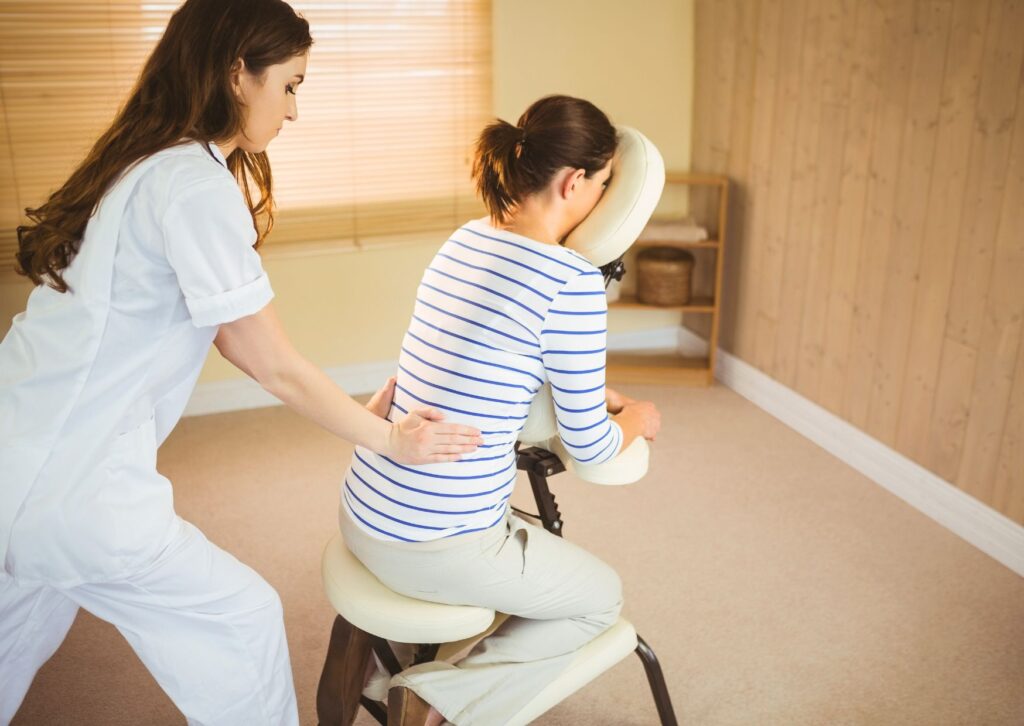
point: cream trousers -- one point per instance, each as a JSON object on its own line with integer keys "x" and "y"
{"x": 207, "y": 627}
{"x": 560, "y": 598}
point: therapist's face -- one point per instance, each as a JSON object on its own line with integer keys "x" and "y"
{"x": 269, "y": 101}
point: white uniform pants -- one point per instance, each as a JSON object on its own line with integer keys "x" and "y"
{"x": 560, "y": 596}
{"x": 207, "y": 627}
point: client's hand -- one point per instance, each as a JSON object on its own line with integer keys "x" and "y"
{"x": 639, "y": 418}
{"x": 380, "y": 404}
{"x": 420, "y": 439}
{"x": 615, "y": 401}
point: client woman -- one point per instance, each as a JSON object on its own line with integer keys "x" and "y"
{"x": 502, "y": 308}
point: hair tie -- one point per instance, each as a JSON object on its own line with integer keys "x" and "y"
{"x": 519, "y": 144}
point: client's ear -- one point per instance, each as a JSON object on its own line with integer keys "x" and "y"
{"x": 570, "y": 182}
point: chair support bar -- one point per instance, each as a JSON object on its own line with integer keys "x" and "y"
{"x": 657, "y": 682}
{"x": 539, "y": 464}
{"x": 375, "y": 709}
{"x": 387, "y": 656}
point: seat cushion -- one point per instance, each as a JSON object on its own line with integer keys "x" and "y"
{"x": 362, "y": 600}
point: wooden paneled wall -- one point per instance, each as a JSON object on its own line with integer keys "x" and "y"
{"x": 875, "y": 258}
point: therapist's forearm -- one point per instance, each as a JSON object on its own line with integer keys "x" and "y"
{"x": 258, "y": 345}
{"x": 310, "y": 392}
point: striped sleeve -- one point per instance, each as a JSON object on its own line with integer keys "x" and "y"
{"x": 573, "y": 339}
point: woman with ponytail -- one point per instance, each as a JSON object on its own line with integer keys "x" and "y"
{"x": 502, "y": 308}
{"x": 141, "y": 259}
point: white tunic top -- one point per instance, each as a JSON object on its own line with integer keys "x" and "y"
{"x": 92, "y": 381}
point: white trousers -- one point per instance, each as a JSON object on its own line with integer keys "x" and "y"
{"x": 560, "y": 596}
{"x": 207, "y": 627}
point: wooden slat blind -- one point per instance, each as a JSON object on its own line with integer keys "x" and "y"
{"x": 394, "y": 97}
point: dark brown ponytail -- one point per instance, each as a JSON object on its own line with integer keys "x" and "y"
{"x": 513, "y": 162}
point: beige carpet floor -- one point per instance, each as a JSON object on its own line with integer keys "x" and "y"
{"x": 776, "y": 584}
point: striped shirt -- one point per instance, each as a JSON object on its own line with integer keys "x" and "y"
{"x": 497, "y": 315}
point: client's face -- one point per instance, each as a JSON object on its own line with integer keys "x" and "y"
{"x": 588, "y": 193}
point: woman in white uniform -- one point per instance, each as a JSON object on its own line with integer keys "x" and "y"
{"x": 142, "y": 259}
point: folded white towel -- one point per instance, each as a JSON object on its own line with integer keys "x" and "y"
{"x": 676, "y": 230}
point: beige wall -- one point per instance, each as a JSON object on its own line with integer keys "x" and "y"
{"x": 13, "y": 293}
{"x": 633, "y": 60}
{"x": 875, "y": 261}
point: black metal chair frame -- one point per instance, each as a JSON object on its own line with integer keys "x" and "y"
{"x": 539, "y": 464}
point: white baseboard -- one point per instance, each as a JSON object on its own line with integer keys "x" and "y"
{"x": 690, "y": 344}
{"x": 994, "y": 534}
{"x": 654, "y": 338}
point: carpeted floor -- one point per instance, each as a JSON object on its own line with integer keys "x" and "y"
{"x": 777, "y": 585}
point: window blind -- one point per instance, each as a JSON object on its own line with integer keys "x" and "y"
{"x": 395, "y": 94}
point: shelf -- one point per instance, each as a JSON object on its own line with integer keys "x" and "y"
{"x": 706, "y": 244}
{"x": 670, "y": 367}
{"x": 695, "y": 179}
{"x": 658, "y": 368}
{"x": 696, "y": 305}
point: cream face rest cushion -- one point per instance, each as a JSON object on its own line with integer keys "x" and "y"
{"x": 638, "y": 178}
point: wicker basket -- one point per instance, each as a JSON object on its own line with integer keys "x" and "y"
{"x": 663, "y": 276}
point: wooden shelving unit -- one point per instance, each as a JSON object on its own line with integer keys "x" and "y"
{"x": 673, "y": 368}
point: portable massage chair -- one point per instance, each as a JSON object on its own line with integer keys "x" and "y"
{"x": 440, "y": 631}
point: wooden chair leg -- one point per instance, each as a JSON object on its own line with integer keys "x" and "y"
{"x": 657, "y": 682}
{"x": 341, "y": 681}
{"x": 375, "y": 709}
{"x": 386, "y": 655}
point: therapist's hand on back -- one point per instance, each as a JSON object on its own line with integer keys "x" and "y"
{"x": 419, "y": 438}
{"x": 380, "y": 403}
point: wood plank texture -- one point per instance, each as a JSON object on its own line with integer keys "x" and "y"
{"x": 947, "y": 190}
{"x": 894, "y": 64}
{"x": 839, "y": 32}
{"x": 876, "y": 231}
{"x": 931, "y": 35}
{"x": 1000, "y": 331}
{"x": 853, "y": 189}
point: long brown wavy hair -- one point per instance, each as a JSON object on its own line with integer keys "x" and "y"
{"x": 183, "y": 93}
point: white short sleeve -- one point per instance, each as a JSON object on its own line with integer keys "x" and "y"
{"x": 208, "y": 238}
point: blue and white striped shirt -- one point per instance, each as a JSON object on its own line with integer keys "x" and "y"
{"x": 496, "y": 315}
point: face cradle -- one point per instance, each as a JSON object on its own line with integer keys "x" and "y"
{"x": 269, "y": 101}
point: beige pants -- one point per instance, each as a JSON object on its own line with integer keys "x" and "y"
{"x": 560, "y": 596}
